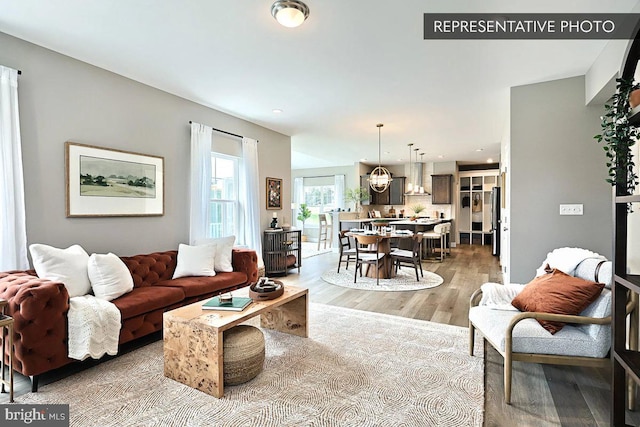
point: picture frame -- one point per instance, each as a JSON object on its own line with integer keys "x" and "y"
{"x": 274, "y": 193}
{"x": 105, "y": 182}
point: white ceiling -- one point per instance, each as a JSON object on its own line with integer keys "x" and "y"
{"x": 352, "y": 64}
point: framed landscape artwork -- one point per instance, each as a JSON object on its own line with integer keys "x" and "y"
{"x": 106, "y": 182}
{"x": 274, "y": 193}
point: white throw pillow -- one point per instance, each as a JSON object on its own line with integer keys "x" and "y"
{"x": 223, "y": 245}
{"x": 195, "y": 261}
{"x": 68, "y": 266}
{"x": 109, "y": 276}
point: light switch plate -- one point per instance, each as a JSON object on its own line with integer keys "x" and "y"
{"x": 571, "y": 209}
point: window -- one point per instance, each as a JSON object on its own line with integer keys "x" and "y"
{"x": 224, "y": 220}
{"x": 319, "y": 199}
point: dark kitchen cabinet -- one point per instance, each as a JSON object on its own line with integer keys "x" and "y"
{"x": 441, "y": 193}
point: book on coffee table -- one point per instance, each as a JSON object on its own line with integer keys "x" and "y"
{"x": 237, "y": 304}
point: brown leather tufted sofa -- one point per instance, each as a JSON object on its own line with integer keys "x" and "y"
{"x": 39, "y": 306}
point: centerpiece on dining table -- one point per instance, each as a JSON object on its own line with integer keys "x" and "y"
{"x": 380, "y": 225}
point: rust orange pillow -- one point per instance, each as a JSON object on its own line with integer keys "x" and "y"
{"x": 558, "y": 293}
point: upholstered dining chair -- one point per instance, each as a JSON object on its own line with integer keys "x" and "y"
{"x": 347, "y": 253}
{"x": 411, "y": 257}
{"x": 585, "y": 340}
{"x": 368, "y": 252}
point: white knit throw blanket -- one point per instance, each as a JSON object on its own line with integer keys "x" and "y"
{"x": 94, "y": 327}
{"x": 566, "y": 259}
{"x": 499, "y": 296}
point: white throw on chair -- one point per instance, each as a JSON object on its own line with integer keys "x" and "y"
{"x": 437, "y": 235}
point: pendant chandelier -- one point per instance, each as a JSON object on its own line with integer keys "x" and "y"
{"x": 380, "y": 177}
{"x": 410, "y": 184}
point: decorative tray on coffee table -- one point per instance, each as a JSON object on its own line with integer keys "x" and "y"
{"x": 266, "y": 289}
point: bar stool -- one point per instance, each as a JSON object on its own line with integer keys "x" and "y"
{"x": 447, "y": 238}
{"x": 431, "y": 237}
{"x": 324, "y": 230}
{"x": 6, "y": 323}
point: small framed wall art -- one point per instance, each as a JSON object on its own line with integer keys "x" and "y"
{"x": 274, "y": 193}
{"x": 105, "y": 182}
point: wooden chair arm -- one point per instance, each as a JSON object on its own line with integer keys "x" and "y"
{"x": 475, "y": 297}
{"x": 566, "y": 318}
{"x": 631, "y": 305}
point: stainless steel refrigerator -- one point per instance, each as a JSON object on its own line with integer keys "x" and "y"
{"x": 495, "y": 220}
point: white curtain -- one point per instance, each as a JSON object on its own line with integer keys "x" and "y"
{"x": 298, "y": 198}
{"x": 13, "y": 238}
{"x": 339, "y": 186}
{"x": 250, "y": 195}
{"x": 200, "y": 184}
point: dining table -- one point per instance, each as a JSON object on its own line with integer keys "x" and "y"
{"x": 384, "y": 246}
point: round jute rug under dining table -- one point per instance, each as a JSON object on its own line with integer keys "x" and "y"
{"x": 405, "y": 280}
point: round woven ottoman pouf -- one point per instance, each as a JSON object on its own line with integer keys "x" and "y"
{"x": 243, "y": 354}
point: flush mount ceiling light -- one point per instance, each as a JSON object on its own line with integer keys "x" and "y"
{"x": 380, "y": 177}
{"x": 290, "y": 13}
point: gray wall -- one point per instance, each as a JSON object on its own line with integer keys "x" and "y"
{"x": 62, "y": 99}
{"x": 554, "y": 160}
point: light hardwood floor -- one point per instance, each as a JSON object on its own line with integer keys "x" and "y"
{"x": 543, "y": 395}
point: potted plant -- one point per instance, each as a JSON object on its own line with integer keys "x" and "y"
{"x": 417, "y": 208}
{"x": 619, "y": 136}
{"x": 303, "y": 215}
{"x": 357, "y": 196}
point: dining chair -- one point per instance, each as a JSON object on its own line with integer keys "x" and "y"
{"x": 347, "y": 253}
{"x": 368, "y": 252}
{"x": 411, "y": 257}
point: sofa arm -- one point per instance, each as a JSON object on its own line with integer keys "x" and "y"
{"x": 39, "y": 308}
{"x": 245, "y": 261}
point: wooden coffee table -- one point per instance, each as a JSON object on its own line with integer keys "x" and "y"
{"x": 193, "y": 337}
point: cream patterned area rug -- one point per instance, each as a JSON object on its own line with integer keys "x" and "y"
{"x": 405, "y": 280}
{"x": 310, "y": 249}
{"x": 355, "y": 369}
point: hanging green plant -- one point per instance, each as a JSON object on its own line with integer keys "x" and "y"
{"x": 619, "y": 136}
